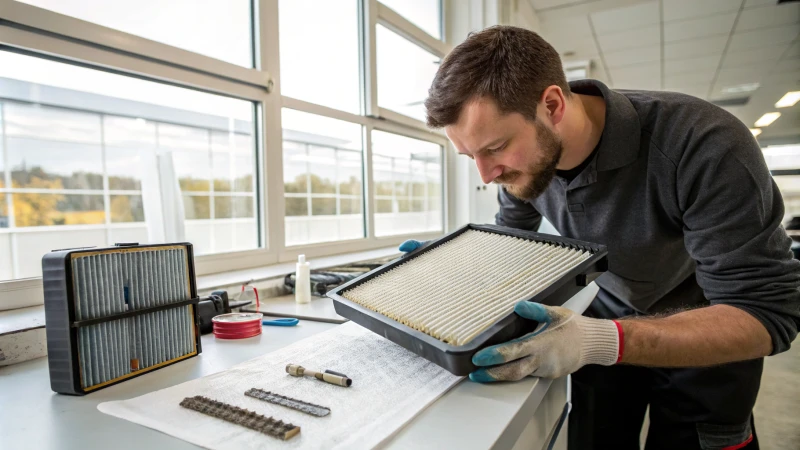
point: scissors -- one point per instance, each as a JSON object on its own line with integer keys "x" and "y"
{"x": 285, "y": 322}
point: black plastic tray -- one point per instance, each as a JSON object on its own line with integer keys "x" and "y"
{"x": 62, "y": 327}
{"x": 458, "y": 359}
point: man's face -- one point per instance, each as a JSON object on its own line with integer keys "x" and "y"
{"x": 520, "y": 154}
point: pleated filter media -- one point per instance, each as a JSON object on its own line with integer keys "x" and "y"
{"x": 459, "y": 289}
{"x": 116, "y": 313}
{"x": 456, "y": 295}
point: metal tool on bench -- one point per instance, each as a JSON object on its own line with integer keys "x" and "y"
{"x": 328, "y": 376}
{"x": 456, "y": 295}
{"x": 233, "y": 414}
{"x": 116, "y": 313}
{"x": 293, "y": 403}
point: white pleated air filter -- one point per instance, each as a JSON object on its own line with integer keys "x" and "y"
{"x": 457, "y": 288}
{"x": 116, "y": 313}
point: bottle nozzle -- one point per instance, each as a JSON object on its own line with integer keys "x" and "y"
{"x": 301, "y": 259}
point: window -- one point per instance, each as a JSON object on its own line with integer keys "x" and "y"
{"x": 408, "y": 184}
{"x": 405, "y": 72}
{"x": 161, "y": 122}
{"x": 322, "y": 179}
{"x": 784, "y": 163}
{"x": 321, "y": 66}
{"x": 426, "y": 14}
{"x": 81, "y": 167}
{"x": 217, "y": 28}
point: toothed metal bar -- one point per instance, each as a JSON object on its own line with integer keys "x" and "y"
{"x": 458, "y": 289}
{"x": 299, "y": 405}
{"x": 267, "y": 425}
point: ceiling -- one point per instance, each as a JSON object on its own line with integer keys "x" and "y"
{"x": 698, "y": 47}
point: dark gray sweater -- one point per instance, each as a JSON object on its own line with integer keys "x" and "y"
{"x": 679, "y": 191}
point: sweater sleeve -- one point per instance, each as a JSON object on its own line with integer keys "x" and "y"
{"x": 732, "y": 213}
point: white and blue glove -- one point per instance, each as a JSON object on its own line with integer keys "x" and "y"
{"x": 411, "y": 245}
{"x": 562, "y": 343}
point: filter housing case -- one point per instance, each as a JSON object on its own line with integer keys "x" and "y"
{"x": 458, "y": 359}
{"x": 62, "y": 323}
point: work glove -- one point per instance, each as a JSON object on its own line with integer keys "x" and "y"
{"x": 411, "y": 245}
{"x": 561, "y": 344}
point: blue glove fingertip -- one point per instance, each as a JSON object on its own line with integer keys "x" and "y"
{"x": 410, "y": 245}
{"x": 481, "y": 376}
{"x": 487, "y": 357}
{"x": 532, "y": 311}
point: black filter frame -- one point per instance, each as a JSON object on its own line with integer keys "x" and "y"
{"x": 458, "y": 359}
{"x": 62, "y": 328}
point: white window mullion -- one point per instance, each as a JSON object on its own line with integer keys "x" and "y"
{"x": 321, "y": 110}
{"x": 369, "y": 21}
{"x": 268, "y": 59}
{"x": 76, "y": 52}
{"x": 448, "y": 186}
{"x": 368, "y": 189}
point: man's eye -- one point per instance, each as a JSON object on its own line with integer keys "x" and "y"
{"x": 492, "y": 151}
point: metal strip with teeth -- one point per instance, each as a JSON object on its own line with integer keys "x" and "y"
{"x": 299, "y": 405}
{"x": 229, "y": 413}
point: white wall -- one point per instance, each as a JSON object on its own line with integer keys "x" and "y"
{"x": 472, "y": 201}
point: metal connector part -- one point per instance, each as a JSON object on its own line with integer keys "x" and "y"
{"x": 299, "y": 405}
{"x": 327, "y": 376}
{"x": 267, "y": 425}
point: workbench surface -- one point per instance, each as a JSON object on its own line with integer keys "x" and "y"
{"x": 469, "y": 416}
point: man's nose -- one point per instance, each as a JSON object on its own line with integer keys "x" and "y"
{"x": 487, "y": 169}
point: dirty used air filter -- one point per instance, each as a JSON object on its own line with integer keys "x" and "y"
{"x": 456, "y": 295}
{"x": 115, "y": 313}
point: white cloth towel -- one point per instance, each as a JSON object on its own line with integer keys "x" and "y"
{"x": 391, "y": 386}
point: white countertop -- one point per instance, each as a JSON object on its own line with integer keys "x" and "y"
{"x": 469, "y": 416}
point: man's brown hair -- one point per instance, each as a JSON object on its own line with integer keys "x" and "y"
{"x": 512, "y": 66}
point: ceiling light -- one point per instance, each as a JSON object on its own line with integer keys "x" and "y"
{"x": 755, "y": 131}
{"x": 788, "y": 100}
{"x": 747, "y": 87}
{"x": 767, "y": 119}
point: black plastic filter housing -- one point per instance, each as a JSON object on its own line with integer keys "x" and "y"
{"x": 119, "y": 312}
{"x": 458, "y": 359}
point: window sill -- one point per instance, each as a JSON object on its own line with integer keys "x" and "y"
{"x": 237, "y": 277}
{"x": 22, "y": 335}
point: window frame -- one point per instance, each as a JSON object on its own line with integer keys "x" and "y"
{"x": 42, "y": 33}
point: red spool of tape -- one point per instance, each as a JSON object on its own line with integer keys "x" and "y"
{"x": 237, "y": 325}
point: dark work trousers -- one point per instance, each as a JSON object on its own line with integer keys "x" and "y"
{"x": 706, "y": 408}
{"x": 698, "y": 408}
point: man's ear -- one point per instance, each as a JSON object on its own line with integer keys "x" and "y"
{"x": 554, "y": 103}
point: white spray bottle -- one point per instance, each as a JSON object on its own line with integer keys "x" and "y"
{"x": 302, "y": 281}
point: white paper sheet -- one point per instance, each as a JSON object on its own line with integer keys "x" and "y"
{"x": 390, "y": 387}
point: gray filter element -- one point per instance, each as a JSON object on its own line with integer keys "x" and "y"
{"x": 267, "y": 425}
{"x": 299, "y": 405}
{"x": 113, "y": 283}
{"x": 457, "y": 290}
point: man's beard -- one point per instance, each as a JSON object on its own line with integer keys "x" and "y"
{"x": 541, "y": 172}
